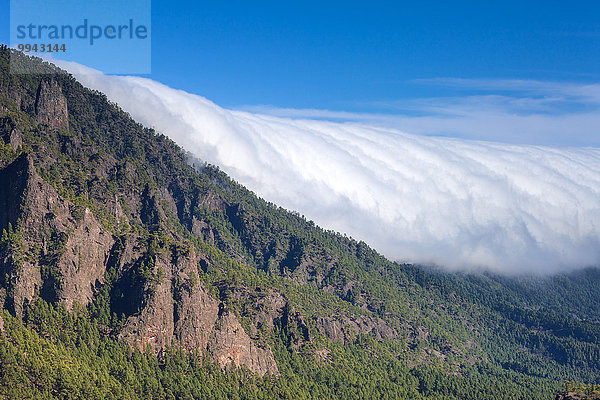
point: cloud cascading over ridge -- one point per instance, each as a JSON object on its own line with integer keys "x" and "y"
{"x": 452, "y": 202}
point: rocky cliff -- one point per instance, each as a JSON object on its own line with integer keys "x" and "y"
{"x": 63, "y": 256}
{"x": 51, "y": 106}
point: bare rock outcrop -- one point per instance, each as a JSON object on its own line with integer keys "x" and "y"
{"x": 14, "y": 139}
{"x": 51, "y": 106}
{"x": 64, "y": 255}
{"x": 38, "y": 205}
{"x": 179, "y": 311}
{"x": 13, "y": 180}
{"x": 83, "y": 262}
{"x": 339, "y": 329}
{"x": 196, "y": 310}
{"x": 153, "y": 327}
{"x": 9, "y": 133}
{"x": 271, "y": 307}
{"x": 75, "y": 249}
{"x": 26, "y": 283}
{"x": 331, "y": 328}
{"x": 230, "y": 345}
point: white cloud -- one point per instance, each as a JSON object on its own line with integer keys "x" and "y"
{"x": 452, "y": 202}
{"x": 513, "y": 111}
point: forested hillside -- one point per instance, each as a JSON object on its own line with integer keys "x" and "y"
{"x": 129, "y": 269}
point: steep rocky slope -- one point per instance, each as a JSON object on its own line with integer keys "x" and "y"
{"x": 64, "y": 253}
{"x": 64, "y": 257}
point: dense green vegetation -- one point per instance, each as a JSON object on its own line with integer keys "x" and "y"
{"x": 60, "y": 354}
{"x": 472, "y": 336}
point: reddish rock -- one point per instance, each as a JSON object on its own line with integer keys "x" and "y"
{"x": 47, "y": 218}
{"x": 230, "y": 345}
{"x": 180, "y": 311}
{"x": 154, "y": 325}
{"x": 174, "y": 306}
{"x": 196, "y": 310}
{"x": 83, "y": 262}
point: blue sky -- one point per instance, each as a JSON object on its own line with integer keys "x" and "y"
{"x": 376, "y": 57}
{"x": 340, "y": 54}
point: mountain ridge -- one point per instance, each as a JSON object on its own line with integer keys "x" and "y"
{"x": 188, "y": 259}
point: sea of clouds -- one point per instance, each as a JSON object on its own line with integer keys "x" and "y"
{"x": 455, "y": 203}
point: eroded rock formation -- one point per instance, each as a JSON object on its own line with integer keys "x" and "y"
{"x": 51, "y": 106}
{"x": 64, "y": 255}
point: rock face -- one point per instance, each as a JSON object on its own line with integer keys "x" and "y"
{"x": 341, "y": 328}
{"x": 180, "y": 311}
{"x": 230, "y": 345}
{"x": 9, "y": 133}
{"x": 51, "y": 106}
{"x": 153, "y": 327}
{"x": 331, "y": 328}
{"x": 195, "y": 310}
{"x": 75, "y": 251}
{"x": 24, "y": 200}
{"x": 83, "y": 263}
{"x": 13, "y": 181}
{"x": 14, "y": 139}
{"x": 26, "y": 282}
{"x": 272, "y": 307}
{"x": 64, "y": 256}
